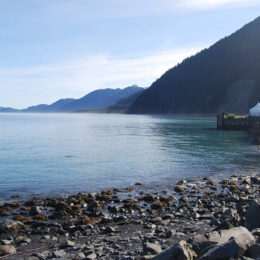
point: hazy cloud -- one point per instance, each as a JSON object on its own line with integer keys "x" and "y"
{"x": 207, "y": 4}
{"x": 37, "y": 36}
{"x": 103, "y": 9}
{"x": 46, "y": 83}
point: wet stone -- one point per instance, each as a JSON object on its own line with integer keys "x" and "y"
{"x": 35, "y": 210}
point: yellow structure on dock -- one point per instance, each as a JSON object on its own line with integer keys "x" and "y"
{"x": 232, "y": 122}
{"x": 249, "y": 122}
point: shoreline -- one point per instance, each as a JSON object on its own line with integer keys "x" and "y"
{"x": 118, "y": 223}
{"x": 167, "y": 184}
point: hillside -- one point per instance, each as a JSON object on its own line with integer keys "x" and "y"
{"x": 124, "y": 104}
{"x": 224, "y": 77}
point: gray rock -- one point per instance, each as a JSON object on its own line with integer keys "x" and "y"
{"x": 42, "y": 255}
{"x": 205, "y": 217}
{"x": 214, "y": 222}
{"x": 109, "y": 230}
{"x": 66, "y": 244}
{"x": 58, "y": 253}
{"x": 91, "y": 256}
{"x": 5, "y": 242}
{"x": 179, "y": 251}
{"x": 246, "y": 181}
{"x": 229, "y": 213}
{"x": 11, "y": 226}
{"x": 167, "y": 234}
{"x": 22, "y": 239}
{"x": 152, "y": 248}
{"x": 35, "y": 210}
{"x": 253, "y": 215}
{"x": 200, "y": 242}
{"x": 255, "y": 180}
{"x": 241, "y": 234}
{"x": 47, "y": 237}
{"x": 232, "y": 248}
{"x": 7, "y": 250}
{"x": 179, "y": 188}
{"x": 256, "y": 232}
{"x": 81, "y": 255}
{"x": 231, "y": 243}
{"x": 254, "y": 251}
{"x": 196, "y": 215}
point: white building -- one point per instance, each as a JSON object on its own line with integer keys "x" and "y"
{"x": 255, "y": 111}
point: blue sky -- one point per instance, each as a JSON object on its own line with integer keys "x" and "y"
{"x": 51, "y": 49}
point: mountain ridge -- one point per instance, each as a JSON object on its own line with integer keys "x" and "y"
{"x": 96, "y": 100}
{"x": 223, "y": 77}
{"x": 8, "y": 109}
{"x": 100, "y": 99}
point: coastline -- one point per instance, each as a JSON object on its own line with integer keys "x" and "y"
{"x": 129, "y": 223}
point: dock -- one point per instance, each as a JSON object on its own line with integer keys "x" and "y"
{"x": 248, "y": 122}
{"x": 227, "y": 121}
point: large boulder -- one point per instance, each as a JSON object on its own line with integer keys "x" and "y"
{"x": 216, "y": 240}
{"x": 180, "y": 251}
{"x": 200, "y": 243}
{"x": 241, "y": 234}
{"x": 230, "y": 243}
{"x": 7, "y": 250}
{"x": 224, "y": 251}
{"x": 11, "y": 226}
{"x": 253, "y": 215}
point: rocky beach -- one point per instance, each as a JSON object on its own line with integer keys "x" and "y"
{"x": 202, "y": 218}
{"x": 130, "y": 130}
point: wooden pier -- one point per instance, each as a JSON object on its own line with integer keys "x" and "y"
{"x": 240, "y": 122}
{"x": 233, "y": 122}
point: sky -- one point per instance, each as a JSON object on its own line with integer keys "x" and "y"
{"x": 52, "y": 49}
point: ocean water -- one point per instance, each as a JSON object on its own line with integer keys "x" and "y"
{"x": 49, "y": 154}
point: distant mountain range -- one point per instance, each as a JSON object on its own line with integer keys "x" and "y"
{"x": 99, "y": 99}
{"x": 8, "y": 109}
{"x": 54, "y": 107}
{"x": 224, "y": 77}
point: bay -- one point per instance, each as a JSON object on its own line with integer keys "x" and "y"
{"x": 50, "y": 154}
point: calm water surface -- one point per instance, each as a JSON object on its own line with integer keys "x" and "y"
{"x": 48, "y": 154}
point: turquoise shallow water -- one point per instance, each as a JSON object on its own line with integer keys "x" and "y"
{"x": 48, "y": 154}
